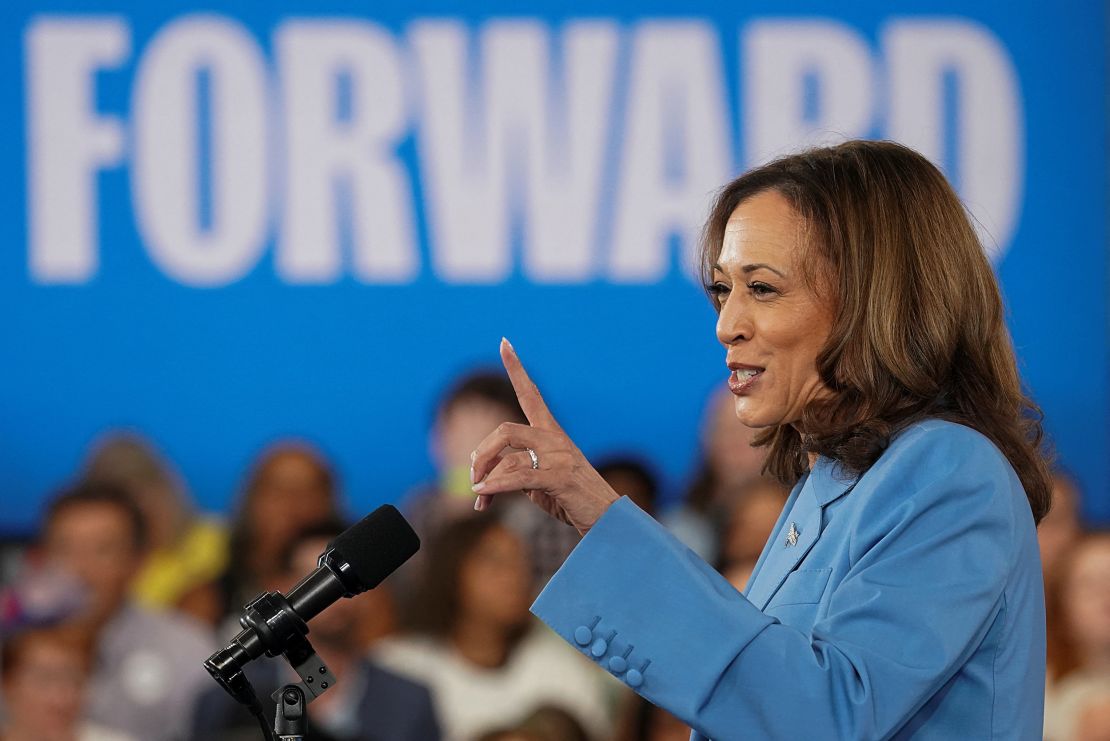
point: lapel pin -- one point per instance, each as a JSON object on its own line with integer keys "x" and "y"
{"x": 792, "y": 535}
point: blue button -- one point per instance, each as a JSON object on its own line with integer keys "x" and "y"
{"x": 583, "y": 635}
{"x": 599, "y": 648}
{"x": 634, "y": 678}
{"x": 618, "y": 664}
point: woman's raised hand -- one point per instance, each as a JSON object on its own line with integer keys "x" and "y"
{"x": 555, "y": 475}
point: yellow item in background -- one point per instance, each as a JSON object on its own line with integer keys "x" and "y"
{"x": 456, "y": 482}
{"x": 198, "y": 557}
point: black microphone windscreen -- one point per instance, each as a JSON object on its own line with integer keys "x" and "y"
{"x": 376, "y": 545}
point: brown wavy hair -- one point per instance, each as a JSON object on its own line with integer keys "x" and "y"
{"x": 918, "y": 329}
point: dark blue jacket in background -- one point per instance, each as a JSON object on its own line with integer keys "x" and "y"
{"x": 389, "y": 708}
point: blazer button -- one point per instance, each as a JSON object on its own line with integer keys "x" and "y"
{"x": 599, "y": 648}
{"x": 618, "y": 664}
{"x": 634, "y": 678}
{"x": 583, "y": 635}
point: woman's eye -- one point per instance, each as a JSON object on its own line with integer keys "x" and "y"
{"x": 761, "y": 289}
{"x": 717, "y": 290}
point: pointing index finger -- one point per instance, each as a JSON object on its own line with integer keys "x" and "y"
{"x": 527, "y": 394}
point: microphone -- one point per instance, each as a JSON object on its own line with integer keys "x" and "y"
{"x": 357, "y": 560}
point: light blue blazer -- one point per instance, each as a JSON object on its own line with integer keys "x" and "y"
{"x": 907, "y": 604}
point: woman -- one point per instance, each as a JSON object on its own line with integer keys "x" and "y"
{"x": 474, "y": 645}
{"x": 44, "y": 674}
{"x": 185, "y": 550}
{"x": 900, "y": 595}
{"x": 291, "y": 486}
{"x": 755, "y": 512}
{"x": 1082, "y": 601}
{"x": 728, "y": 462}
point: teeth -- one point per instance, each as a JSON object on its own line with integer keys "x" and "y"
{"x": 744, "y": 375}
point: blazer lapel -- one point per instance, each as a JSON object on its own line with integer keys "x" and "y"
{"x": 797, "y": 530}
{"x": 768, "y": 547}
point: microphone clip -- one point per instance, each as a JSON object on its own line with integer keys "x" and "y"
{"x": 282, "y": 632}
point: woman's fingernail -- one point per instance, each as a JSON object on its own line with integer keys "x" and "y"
{"x": 509, "y": 344}
{"x": 479, "y": 503}
{"x": 472, "y": 474}
{"x": 479, "y": 486}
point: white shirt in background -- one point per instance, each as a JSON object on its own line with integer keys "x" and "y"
{"x": 472, "y": 700}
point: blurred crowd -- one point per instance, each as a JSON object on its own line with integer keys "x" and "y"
{"x": 109, "y": 611}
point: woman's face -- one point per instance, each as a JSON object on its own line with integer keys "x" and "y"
{"x": 290, "y": 495}
{"x": 495, "y": 582}
{"x": 1087, "y": 596}
{"x": 728, "y": 443}
{"x": 45, "y": 692}
{"x": 771, "y": 322}
{"x": 1060, "y": 527}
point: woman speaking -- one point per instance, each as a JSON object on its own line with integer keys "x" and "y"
{"x": 900, "y": 595}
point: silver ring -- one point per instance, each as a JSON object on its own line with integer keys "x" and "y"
{"x": 535, "y": 458}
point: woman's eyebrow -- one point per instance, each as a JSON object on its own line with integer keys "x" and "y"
{"x": 756, "y": 266}
{"x": 749, "y": 268}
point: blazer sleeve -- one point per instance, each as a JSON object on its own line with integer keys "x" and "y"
{"x": 926, "y": 582}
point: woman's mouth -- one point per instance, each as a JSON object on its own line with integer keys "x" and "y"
{"x": 742, "y": 380}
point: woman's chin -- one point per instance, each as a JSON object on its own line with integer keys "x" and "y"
{"x": 750, "y": 414}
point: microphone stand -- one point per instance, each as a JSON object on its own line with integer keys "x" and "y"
{"x": 272, "y": 626}
{"x": 279, "y": 632}
{"x": 289, "y": 720}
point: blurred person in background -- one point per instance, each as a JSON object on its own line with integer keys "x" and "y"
{"x": 289, "y": 487}
{"x": 1082, "y": 602}
{"x": 476, "y": 401}
{"x": 1062, "y": 526}
{"x": 1057, "y": 534}
{"x": 728, "y": 460}
{"x": 475, "y": 645}
{"x": 756, "y": 506}
{"x": 367, "y": 703}
{"x": 642, "y": 721}
{"x": 546, "y": 723}
{"x": 632, "y": 477}
{"x": 510, "y": 734}
{"x": 147, "y": 669}
{"x": 44, "y": 674}
{"x": 185, "y": 550}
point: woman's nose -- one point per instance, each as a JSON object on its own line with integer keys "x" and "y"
{"x": 733, "y": 324}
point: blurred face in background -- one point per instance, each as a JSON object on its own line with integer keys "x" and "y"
{"x": 458, "y": 430}
{"x": 495, "y": 581}
{"x": 728, "y": 443}
{"x": 96, "y": 543}
{"x": 132, "y": 462}
{"x": 1087, "y": 599}
{"x": 1060, "y": 527}
{"x": 44, "y": 690}
{"x": 290, "y": 492}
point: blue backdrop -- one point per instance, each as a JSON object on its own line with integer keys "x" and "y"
{"x": 230, "y": 222}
